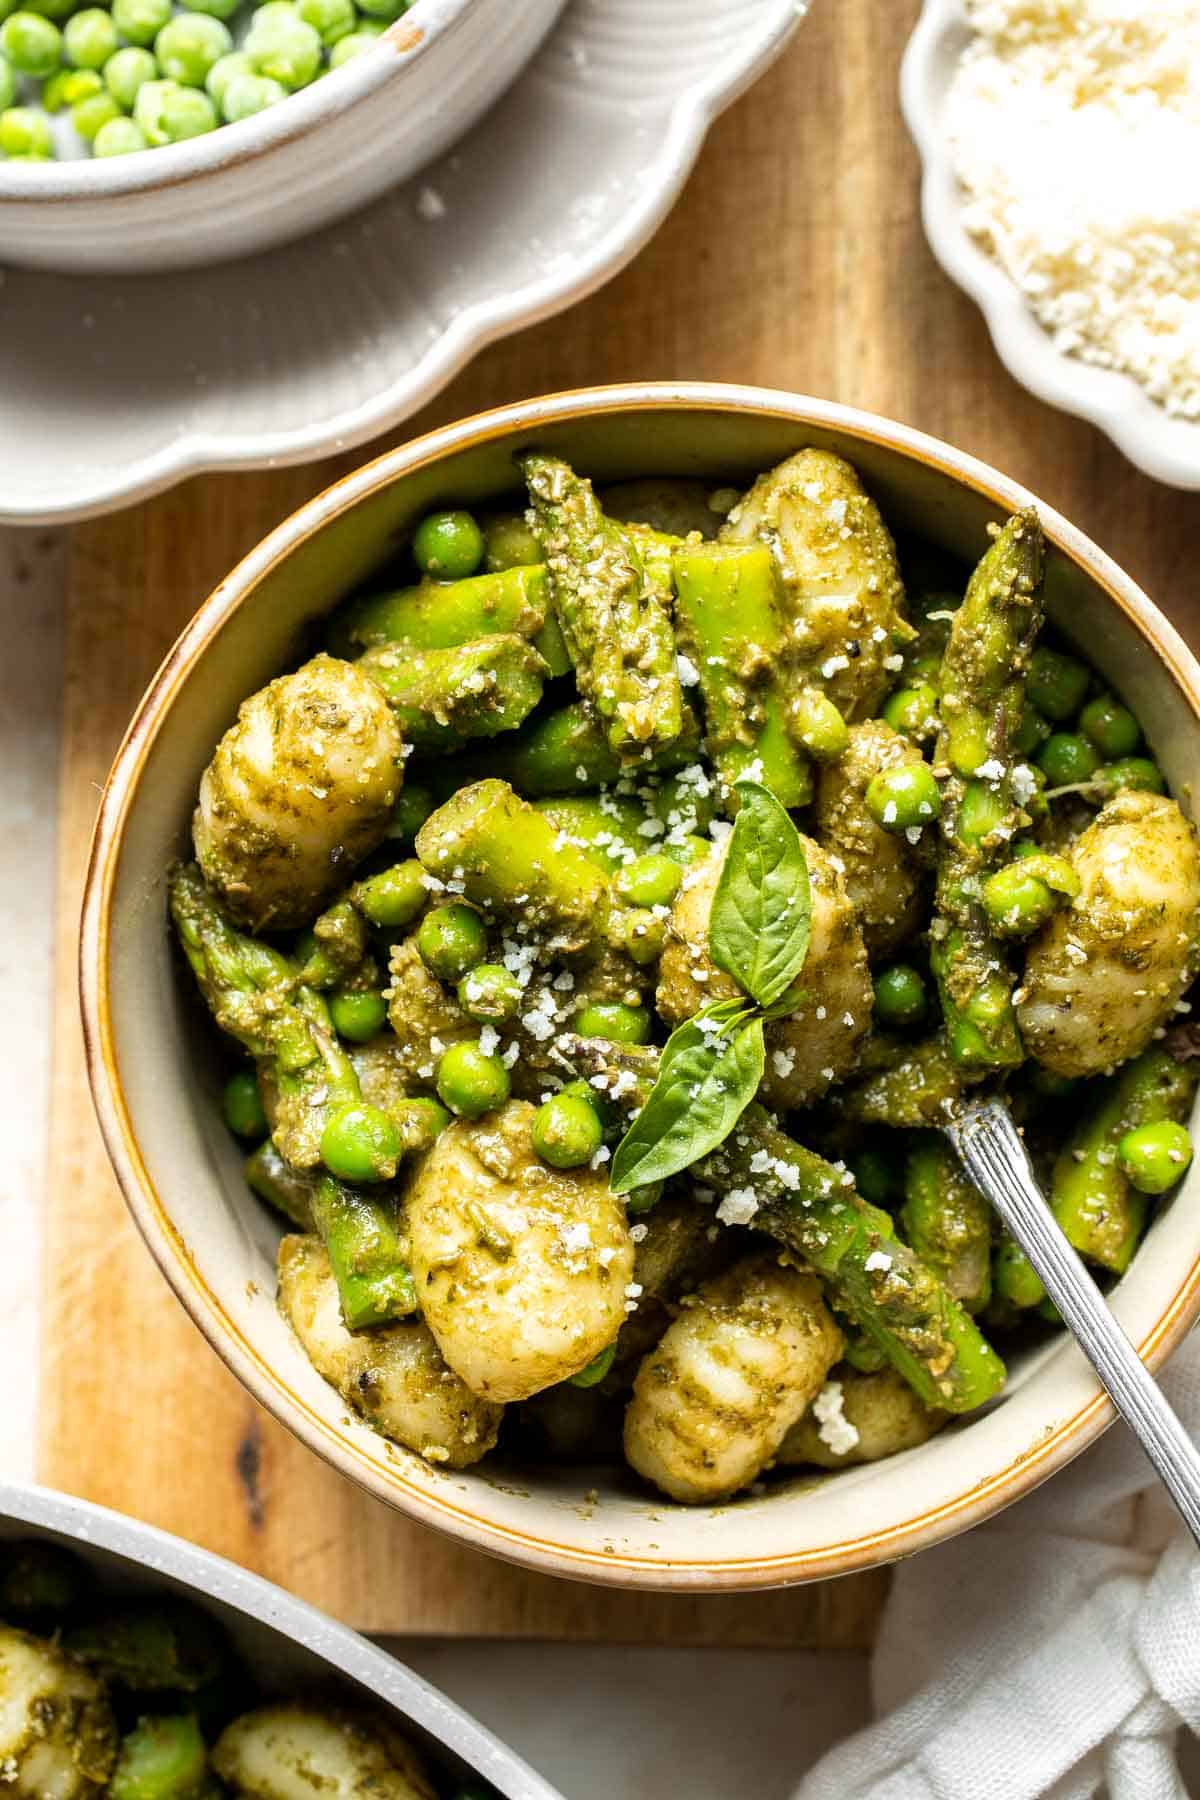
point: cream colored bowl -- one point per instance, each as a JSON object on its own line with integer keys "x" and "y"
{"x": 247, "y": 187}
{"x": 157, "y": 1096}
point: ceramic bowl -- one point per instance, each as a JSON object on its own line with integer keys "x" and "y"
{"x": 290, "y": 1647}
{"x": 284, "y": 172}
{"x": 157, "y": 1098}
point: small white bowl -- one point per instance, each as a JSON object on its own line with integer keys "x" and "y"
{"x": 156, "y": 1091}
{"x": 1166, "y": 448}
{"x": 285, "y": 172}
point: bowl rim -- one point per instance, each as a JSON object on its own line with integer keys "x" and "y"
{"x": 400, "y": 48}
{"x": 1027, "y": 1467}
{"x": 160, "y": 1553}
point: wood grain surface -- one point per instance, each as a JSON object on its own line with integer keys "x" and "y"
{"x": 795, "y": 259}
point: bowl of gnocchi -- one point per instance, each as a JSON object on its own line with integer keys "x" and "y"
{"x": 542, "y": 913}
{"x": 134, "y": 1665}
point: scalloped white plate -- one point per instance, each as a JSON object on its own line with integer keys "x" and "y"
{"x": 1167, "y": 448}
{"x": 114, "y": 387}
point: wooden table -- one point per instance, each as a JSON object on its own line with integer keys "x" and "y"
{"x": 794, "y": 259}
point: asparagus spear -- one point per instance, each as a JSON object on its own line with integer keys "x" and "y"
{"x": 368, "y": 1260}
{"x": 948, "y": 1223}
{"x": 567, "y": 752}
{"x": 289, "y": 1190}
{"x": 813, "y": 1209}
{"x": 437, "y": 615}
{"x": 904, "y": 1085}
{"x": 730, "y": 628}
{"x": 613, "y": 618}
{"x": 442, "y": 697}
{"x": 982, "y": 685}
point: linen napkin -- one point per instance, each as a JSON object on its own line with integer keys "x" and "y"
{"x": 1054, "y": 1651}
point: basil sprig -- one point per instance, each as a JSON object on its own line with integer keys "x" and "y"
{"x": 712, "y": 1065}
{"x": 761, "y": 917}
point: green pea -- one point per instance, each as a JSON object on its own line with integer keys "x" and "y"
{"x": 347, "y": 48}
{"x": 644, "y": 1199}
{"x": 32, "y": 45}
{"x": 45, "y": 9}
{"x": 332, "y": 20}
{"x": 490, "y": 993}
{"x": 875, "y": 1177}
{"x": 188, "y": 45}
{"x": 118, "y": 138}
{"x": 1032, "y": 731}
{"x": 360, "y": 1143}
{"x": 162, "y": 1758}
{"x": 140, "y": 20}
{"x": 900, "y": 998}
{"x": 622, "y": 1024}
{"x": 650, "y": 880}
{"x": 394, "y": 897}
{"x": 358, "y": 1014}
{"x": 900, "y": 799}
{"x": 384, "y": 10}
{"x": 447, "y": 544}
{"x": 640, "y": 932}
{"x": 1110, "y": 726}
{"x": 508, "y": 543}
{"x": 89, "y": 38}
{"x": 281, "y": 45}
{"x": 168, "y": 112}
{"x": 470, "y": 1082}
{"x": 1016, "y": 901}
{"x": 451, "y": 940}
{"x": 8, "y": 84}
{"x": 24, "y": 132}
{"x": 128, "y": 70}
{"x": 241, "y": 1103}
{"x": 1056, "y": 684}
{"x": 819, "y": 726}
{"x": 1155, "y": 1157}
{"x": 90, "y": 116}
{"x": 246, "y": 95}
{"x": 1066, "y": 759}
{"x": 1134, "y": 772}
{"x": 913, "y": 711}
{"x": 216, "y": 82}
{"x": 596, "y": 1370}
{"x": 566, "y": 1131}
{"x": 66, "y": 87}
{"x": 219, "y": 9}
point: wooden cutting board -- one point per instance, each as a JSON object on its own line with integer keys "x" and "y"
{"x": 795, "y": 259}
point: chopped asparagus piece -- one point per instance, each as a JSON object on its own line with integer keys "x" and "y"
{"x": 441, "y": 698}
{"x": 438, "y": 615}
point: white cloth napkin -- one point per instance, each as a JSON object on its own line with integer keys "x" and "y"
{"x": 1054, "y": 1651}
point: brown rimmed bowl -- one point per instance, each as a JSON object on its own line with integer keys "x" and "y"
{"x": 157, "y": 1095}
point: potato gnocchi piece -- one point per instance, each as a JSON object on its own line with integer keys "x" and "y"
{"x": 394, "y": 1376}
{"x": 880, "y": 1408}
{"x": 58, "y": 1738}
{"x": 521, "y": 1269}
{"x": 813, "y": 1047}
{"x": 712, "y": 1403}
{"x": 883, "y": 875}
{"x": 839, "y": 575}
{"x": 1108, "y": 970}
{"x": 300, "y": 789}
{"x": 679, "y": 1246}
{"x": 300, "y": 1751}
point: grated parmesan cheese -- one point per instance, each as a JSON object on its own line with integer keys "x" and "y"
{"x": 1076, "y": 135}
{"x": 833, "y": 1427}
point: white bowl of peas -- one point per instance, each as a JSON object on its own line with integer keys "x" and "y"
{"x": 538, "y": 919}
{"x": 153, "y": 135}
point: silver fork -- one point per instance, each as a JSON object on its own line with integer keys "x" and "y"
{"x": 992, "y": 1152}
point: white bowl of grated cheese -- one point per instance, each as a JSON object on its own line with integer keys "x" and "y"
{"x": 1062, "y": 192}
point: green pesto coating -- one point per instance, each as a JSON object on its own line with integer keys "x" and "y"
{"x": 614, "y": 617}
{"x": 605, "y": 827}
{"x": 903, "y": 1084}
{"x": 439, "y": 615}
{"x": 948, "y": 1223}
{"x": 369, "y": 1264}
{"x": 442, "y": 698}
{"x": 982, "y": 697}
{"x": 729, "y": 624}
{"x": 567, "y": 752}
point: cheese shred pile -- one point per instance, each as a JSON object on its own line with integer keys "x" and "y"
{"x": 1075, "y": 126}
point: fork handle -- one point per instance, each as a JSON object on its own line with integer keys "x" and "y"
{"x": 995, "y": 1157}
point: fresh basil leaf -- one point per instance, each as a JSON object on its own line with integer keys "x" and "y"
{"x": 761, "y": 919}
{"x": 710, "y": 1070}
